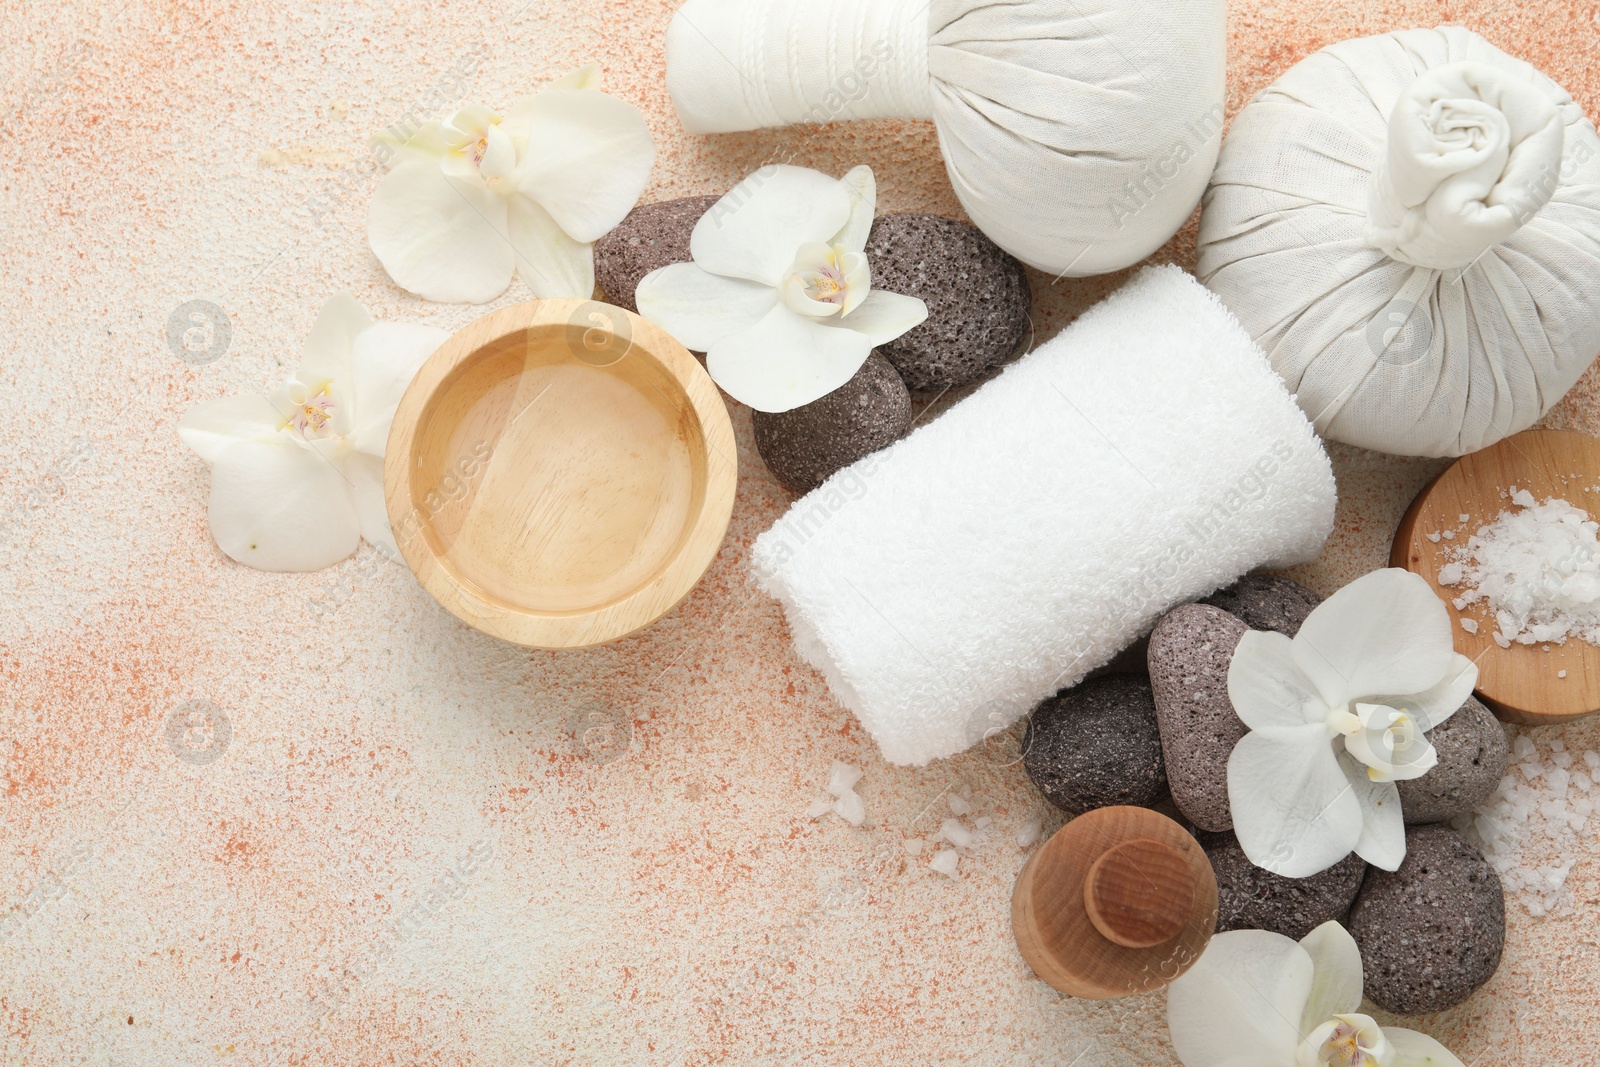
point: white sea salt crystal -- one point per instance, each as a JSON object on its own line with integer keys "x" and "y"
{"x": 913, "y": 846}
{"x": 959, "y": 804}
{"x": 1470, "y": 625}
{"x": 1500, "y": 639}
{"x": 1582, "y": 781}
{"x": 1448, "y": 535}
{"x": 819, "y": 808}
{"x": 843, "y": 778}
{"x": 945, "y": 862}
{"x": 1522, "y": 748}
{"x": 1463, "y": 518}
{"x": 1029, "y": 832}
{"x": 1451, "y": 573}
{"x": 1434, "y": 537}
{"x": 1561, "y": 759}
{"x": 1561, "y": 674}
{"x": 982, "y": 822}
{"x": 952, "y": 831}
{"x": 851, "y": 809}
{"x": 1592, "y": 759}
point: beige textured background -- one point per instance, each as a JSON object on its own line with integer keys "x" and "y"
{"x": 403, "y": 856}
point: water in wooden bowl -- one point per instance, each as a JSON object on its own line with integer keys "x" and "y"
{"x": 560, "y": 473}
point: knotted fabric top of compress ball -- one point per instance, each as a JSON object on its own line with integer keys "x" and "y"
{"x": 1078, "y": 134}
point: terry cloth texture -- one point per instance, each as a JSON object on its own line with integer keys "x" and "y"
{"x": 1078, "y": 134}
{"x": 1146, "y": 456}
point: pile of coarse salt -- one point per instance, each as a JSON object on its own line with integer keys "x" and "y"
{"x": 1532, "y": 829}
{"x": 1537, "y": 570}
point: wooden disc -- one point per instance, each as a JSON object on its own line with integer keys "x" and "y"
{"x": 1530, "y": 684}
{"x": 560, "y": 473}
{"x": 1154, "y": 867}
{"x": 1139, "y": 893}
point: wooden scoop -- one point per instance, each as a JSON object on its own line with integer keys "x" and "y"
{"x": 1120, "y": 901}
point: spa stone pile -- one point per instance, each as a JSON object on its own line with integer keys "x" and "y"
{"x": 1431, "y": 932}
{"x": 978, "y": 299}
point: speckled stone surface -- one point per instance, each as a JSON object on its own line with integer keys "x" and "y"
{"x": 1472, "y": 759}
{"x": 978, "y": 298}
{"x": 1190, "y": 650}
{"x": 1095, "y": 745}
{"x": 1431, "y": 932}
{"x": 1267, "y": 602}
{"x": 802, "y": 447}
{"x": 652, "y": 236}
{"x": 1249, "y": 898}
{"x": 412, "y": 849}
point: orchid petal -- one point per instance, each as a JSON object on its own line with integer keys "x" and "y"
{"x": 387, "y": 355}
{"x": 1382, "y": 840}
{"x": 862, "y": 189}
{"x": 585, "y": 77}
{"x": 438, "y": 237}
{"x": 754, "y": 230}
{"x": 583, "y": 155}
{"x": 325, "y": 357}
{"x": 1337, "y": 978}
{"x": 883, "y": 316}
{"x": 364, "y": 474}
{"x": 1293, "y": 809}
{"x": 785, "y": 360}
{"x": 1413, "y": 1049}
{"x": 549, "y": 262}
{"x": 1267, "y": 688}
{"x": 278, "y": 506}
{"x": 1385, "y": 632}
{"x": 1240, "y": 1004}
{"x": 499, "y": 156}
{"x": 700, "y": 308}
{"x": 210, "y": 428}
{"x": 1434, "y": 706}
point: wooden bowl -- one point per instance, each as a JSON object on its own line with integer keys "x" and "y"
{"x": 1121, "y": 900}
{"x": 1523, "y": 683}
{"x": 560, "y": 473}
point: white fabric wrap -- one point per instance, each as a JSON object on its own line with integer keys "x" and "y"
{"x": 1078, "y": 133}
{"x": 1409, "y": 224}
{"x": 1144, "y": 457}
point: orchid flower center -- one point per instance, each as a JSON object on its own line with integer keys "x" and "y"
{"x": 310, "y": 413}
{"x": 1388, "y": 740}
{"x": 1347, "y": 1041}
{"x": 826, "y": 280}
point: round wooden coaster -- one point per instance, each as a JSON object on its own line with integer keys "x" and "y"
{"x": 1531, "y": 684}
{"x": 1120, "y": 901}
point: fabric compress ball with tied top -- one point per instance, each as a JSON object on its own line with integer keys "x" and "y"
{"x": 1078, "y": 134}
{"x": 1409, "y": 224}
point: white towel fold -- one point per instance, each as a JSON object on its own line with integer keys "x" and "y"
{"x": 1146, "y": 456}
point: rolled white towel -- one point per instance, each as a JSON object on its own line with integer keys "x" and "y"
{"x": 1146, "y": 456}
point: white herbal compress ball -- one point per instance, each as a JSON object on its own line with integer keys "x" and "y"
{"x": 1409, "y": 224}
{"x": 1078, "y": 133}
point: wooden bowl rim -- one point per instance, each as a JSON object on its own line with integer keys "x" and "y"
{"x": 566, "y": 629}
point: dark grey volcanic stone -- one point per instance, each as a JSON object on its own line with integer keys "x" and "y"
{"x": 1472, "y": 759}
{"x": 1267, "y": 602}
{"x": 977, "y": 296}
{"x": 1249, "y": 898}
{"x": 1431, "y": 932}
{"x": 650, "y": 237}
{"x": 1096, "y": 745}
{"x": 804, "y": 445}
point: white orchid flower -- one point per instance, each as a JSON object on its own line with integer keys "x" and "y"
{"x": 1258, "y": 999}
{"x": 473, "y": 199}
{"x": 1337, "y": 715}
{"x": 779, "y": 296}
{"x": 297, "y": 477}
